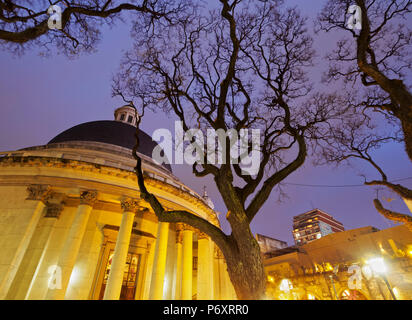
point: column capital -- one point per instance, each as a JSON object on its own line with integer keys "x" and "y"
{"x": 54, "y": 210}
{"x": 202, "y": 235}
{"x": 218, "y": 253}
{"x": 39, "y": 192}
{"x": 130, "y": 205}
{"x": 88, "y": 197}
{"x": 179, "y": 236}
{"x": 180, "y": 226}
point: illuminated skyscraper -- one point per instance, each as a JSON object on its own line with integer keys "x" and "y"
{"x": 313, "y": 225}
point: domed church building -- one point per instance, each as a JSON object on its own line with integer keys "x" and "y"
{"x": 72, "y": 225}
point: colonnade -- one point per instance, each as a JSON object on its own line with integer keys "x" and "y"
{"x": 212, "y": 278}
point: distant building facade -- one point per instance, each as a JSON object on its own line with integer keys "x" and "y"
{"x": 313, "y": 225}
{"x": 268, "y": 244}
{"x": 338, "y": 267}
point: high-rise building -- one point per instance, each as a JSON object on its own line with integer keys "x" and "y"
{"x": 313, "y": 225}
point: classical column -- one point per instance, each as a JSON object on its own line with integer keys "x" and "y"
{"x": 34, "y": 252}
{"x": 222, "y": 276}
{"x": 115, "y": 281}
{"x": 156, "y": 289}
{"x": 204, "y": 267}
{"x": 149, "y": 271}
{"x": 178, "y": 271}
{"x": 71, "y": 247}
{"x": 141, "y": 276}
{"x": 187, "y": 267}
{"x": 40, "y": 194}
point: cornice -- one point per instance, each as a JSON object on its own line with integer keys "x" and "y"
{"x": 82, "y": 166}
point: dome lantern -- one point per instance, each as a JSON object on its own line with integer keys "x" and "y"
{"x": 125, "y": 114}
{"x": 207, "y": 199}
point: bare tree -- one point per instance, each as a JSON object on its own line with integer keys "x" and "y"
{"x": 377, "y": 57}
{"x": 243, "y": 66}
{"x": 24, "y": 24}
{"x": 356, "y": 138}
{"x": 376, "y": 60}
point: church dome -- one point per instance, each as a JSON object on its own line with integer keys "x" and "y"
{"x": 111, "y": 132}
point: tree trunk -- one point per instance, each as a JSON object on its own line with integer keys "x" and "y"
{"x": 245, "y": 268}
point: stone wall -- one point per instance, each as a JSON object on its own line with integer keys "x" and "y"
{"x": 338, "y": 266}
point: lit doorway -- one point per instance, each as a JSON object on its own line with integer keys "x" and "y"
{"x": 130, "y": 276}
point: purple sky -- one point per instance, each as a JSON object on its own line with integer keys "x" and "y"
{"x": 41, "y": 97}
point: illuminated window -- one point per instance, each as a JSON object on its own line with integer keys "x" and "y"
{"x": 130, "y": 276}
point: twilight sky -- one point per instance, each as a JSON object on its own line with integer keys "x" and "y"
{"x": 41, "y": 97}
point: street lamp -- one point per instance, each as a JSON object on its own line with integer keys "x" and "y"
{"x": 378, "y": 266}
{"x": 335, "y": 272}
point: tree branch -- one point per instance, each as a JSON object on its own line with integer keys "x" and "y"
{"x": 394, "y": 216}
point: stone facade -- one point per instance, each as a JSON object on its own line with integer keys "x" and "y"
{"x": 71, "y": 212}
{"x": 338, "y": 266}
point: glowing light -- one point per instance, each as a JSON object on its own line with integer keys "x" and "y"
{"x": 75, "y": 277}
{"x": 165, "y": 286}
{"x": 346, "y": 294}
{"x": 285, "y": 285}
{"x": 395, "y": 292}
{"x": 377, "y": 265}
{"x": 409, "y": 250}
{"x": 311, "y": 297}
{"x": 271, "y": 279}
{"x": 328, "y": 267}
{"x": 367, "y": 271}
{"x": 318, "y": 268}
